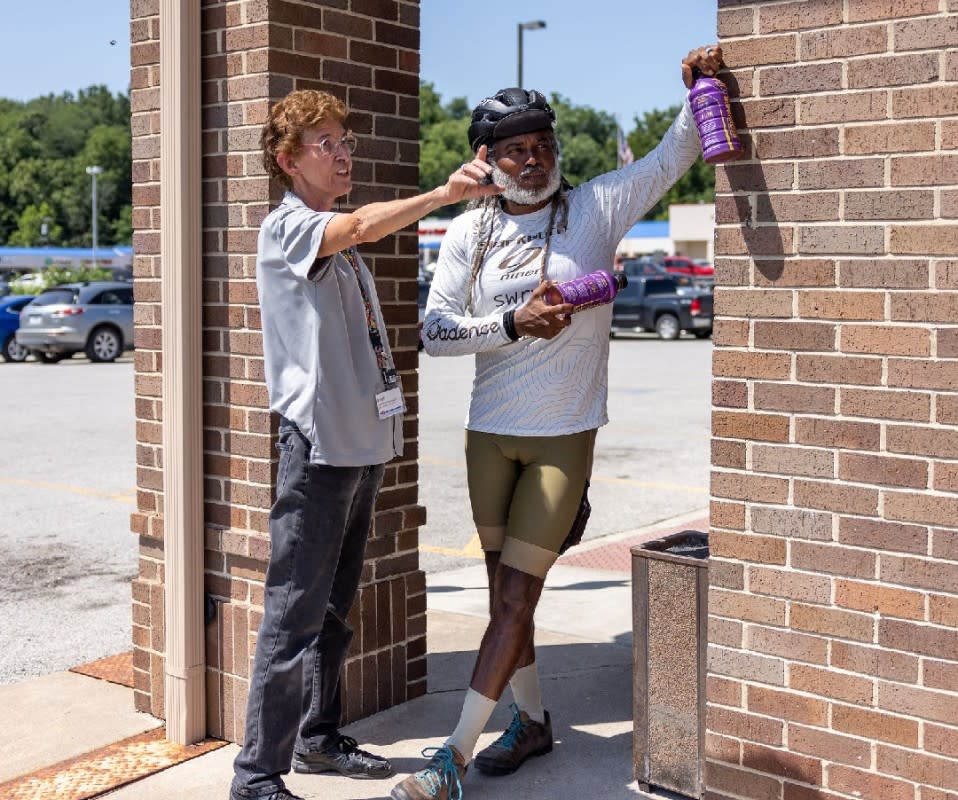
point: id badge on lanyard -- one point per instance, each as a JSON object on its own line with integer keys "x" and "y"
{"x": 389, "y": 402}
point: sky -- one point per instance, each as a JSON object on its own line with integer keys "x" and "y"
{"x": 618, "y": 56}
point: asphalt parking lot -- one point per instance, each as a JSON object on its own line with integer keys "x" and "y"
{"x": 67, "y": 484}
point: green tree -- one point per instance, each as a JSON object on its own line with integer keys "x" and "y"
{"x": 696, "y": 186}
{"x": 30, "y": 230}
{"x": 45, "y": 146}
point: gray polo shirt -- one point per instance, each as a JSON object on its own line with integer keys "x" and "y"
{"x": 321, "y": 371}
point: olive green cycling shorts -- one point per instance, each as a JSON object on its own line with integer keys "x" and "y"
{"x": 525, "y": 492}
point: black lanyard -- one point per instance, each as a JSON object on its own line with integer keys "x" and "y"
{"x": 375, "y": 337}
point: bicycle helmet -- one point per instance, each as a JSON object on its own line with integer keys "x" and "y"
{"x": 508, "y": 113}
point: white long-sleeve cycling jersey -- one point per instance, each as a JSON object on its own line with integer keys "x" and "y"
{"x": 539, "y": 387}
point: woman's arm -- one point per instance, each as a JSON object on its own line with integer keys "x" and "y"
{"x": 376, "y": 220}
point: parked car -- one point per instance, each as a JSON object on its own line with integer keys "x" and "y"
{"x": 94, "y": 317}
{"x": 647, "y": 267}
{"x": 10, "y": 308}
{"x": 655, "y": 304}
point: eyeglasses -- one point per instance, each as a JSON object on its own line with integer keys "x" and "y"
{"x": 520, "y": 153}
{"x": 330, "y": 146}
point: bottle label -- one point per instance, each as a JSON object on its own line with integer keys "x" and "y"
{"x": 588, "y": 290}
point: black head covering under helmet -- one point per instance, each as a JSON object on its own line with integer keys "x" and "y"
{"x": 509, "y": 112}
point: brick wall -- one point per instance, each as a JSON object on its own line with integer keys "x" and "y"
{"x": 367, "y": 52}
{"x": 834, "y": 572}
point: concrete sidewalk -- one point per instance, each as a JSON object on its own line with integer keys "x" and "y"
{"x": 583, "y": 642}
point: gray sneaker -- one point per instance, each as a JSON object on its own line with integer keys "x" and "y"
{"x": 340, "y": 754}
{"x": 523, "y": 738}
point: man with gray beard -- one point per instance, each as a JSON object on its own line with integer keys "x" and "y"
{"x": 540, "y": 388}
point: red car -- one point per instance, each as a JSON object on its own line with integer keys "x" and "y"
{"x": 682, "y": 265}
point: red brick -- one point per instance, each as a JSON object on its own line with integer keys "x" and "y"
{"x": 925, "y": 640}
{"x": 917, "y": 767}
{"x": 725, "y": 632}
{"x": 922, "y": 441}
{"x": 925, "y": 34}
{"x": 940, "y": 675}
{"x": 927, "y": 102}
{"x": 755, "y": 427}
{"x": 943, "y": 741}
{"x": 842, "y": 107}
{"x": 765, "y": 240}
{"x": 906, "y": 137}
{"x": 932, "y": 170}
{"x": 794, "y": 397}
{"x": 732, "y": 394}
{"x": 727, "y": 515}
{"x": 750, "y": 608}
{"x": 883, "y": 470}
{"x": 876, "y": 598}
{"x": 875, "y": 661}
{"x": 794, "y": 336}
{"x": 803, "y": 461}
{"x": 799, "y": 16}
{"x": 764, "y": 113}
{"x": 838, "y": 369}
{"x": 842, "y": 240}
{"x": 906, "y": 205}
{"x": 735, "y": 22}
{"x": 758, "y": 50}
{"x": 837, "y": 433}
{"x": 922, "y": 573}
{"x": 828, "y": 683}
{"x": 920, "y": 374}
{"x": 876, "y": 725}
{"x": 750, "y": 365}
{"x": 893, "y": 70}
{"x": 749, "y": 727}
{"x": 781, "y": 763}
{"x": 780, "y": 273}
{"x": 832, "y": 559}
{"x": 898, "y": 273}
{"x": 944, "y": 543}
{"x": 788, "y": 644}
{"x": 797, "y": 143}
{"x": 924, "y": 239}
{"x": 832, "y": 622}
{"x": 859, "y": 783}
{"x": 805, "y": 207}
{"x": 752, "y": 785}
{"x": 738, "y": 486}
{"x": 844, "y": 42}
{"x": 757, "y": 549}
{"x": 829, "y": 746}
{"x": 791, "y": 585}
{"x": 914, "y": 701}
{"x": 754, "y": 177}
{"x": 885, "y": 340}
{"x": 800, "y": 523}
{"x": 884, "y": 404}
{"x": 871, "y": 10}
{"x": 728, "y": 454}
{"x": 845, "y": 173}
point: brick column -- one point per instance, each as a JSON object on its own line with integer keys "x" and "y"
{"x": 253, "y": 54}
{"x": 834, "y": 573}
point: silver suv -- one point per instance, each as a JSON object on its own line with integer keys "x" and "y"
{"x": 94, "y": 317}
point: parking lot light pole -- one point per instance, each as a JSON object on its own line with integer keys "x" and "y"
{"x": 525, "y": 26}
{"x": 93, "y": 172}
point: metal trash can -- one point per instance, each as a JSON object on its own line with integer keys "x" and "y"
{"x": 669, "y": 647}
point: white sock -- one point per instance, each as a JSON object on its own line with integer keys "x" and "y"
{"x": 525, "y": 691}
{"x": 476, "y": 710}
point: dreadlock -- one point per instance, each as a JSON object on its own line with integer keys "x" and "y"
{"x": 490, "y": 208}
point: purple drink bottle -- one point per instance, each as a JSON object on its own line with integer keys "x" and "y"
{"x": 587, "y": 291}
{"x": 713, "y": 118}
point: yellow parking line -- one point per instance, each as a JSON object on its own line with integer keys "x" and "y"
{"x": 120, "y": 497}
{"x": 472, "y": 549}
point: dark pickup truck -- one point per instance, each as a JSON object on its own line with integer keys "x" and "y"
{"x": 654, "y": 304}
